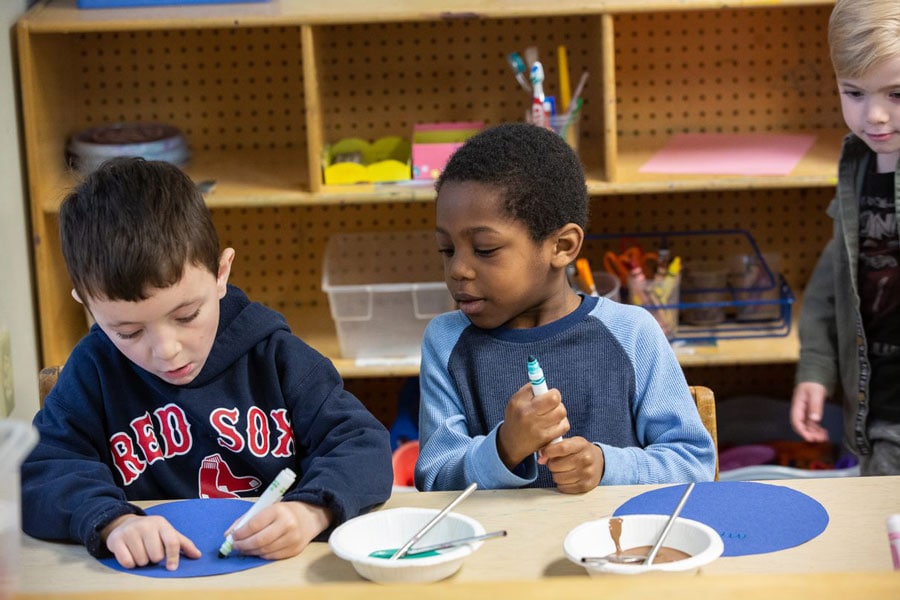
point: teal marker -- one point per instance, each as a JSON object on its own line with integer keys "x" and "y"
{"x": 538, "y": 383}
{"x": 536, "y": 376}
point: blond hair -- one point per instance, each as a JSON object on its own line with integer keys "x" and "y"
{"x": 862, "y": 34}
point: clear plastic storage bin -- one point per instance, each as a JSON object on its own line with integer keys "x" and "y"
{"x": 383, "y": 288}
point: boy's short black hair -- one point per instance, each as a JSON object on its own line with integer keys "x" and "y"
{"x": 133, "y": 225}
{"x": 539, "y": 175}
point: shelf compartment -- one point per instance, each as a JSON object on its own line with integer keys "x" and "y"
{"x": 724, "y": 71}
{"x": 736, "y": 329}
{"x": 237, "y": 94}
{"x": 84, "y": 68}
{"x": 383, "y": 288}
{"x": 817, "y": 168}
{"x": 706, "y": 248}
{"x": 381, "y": 79}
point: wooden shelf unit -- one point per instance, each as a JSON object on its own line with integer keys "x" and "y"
{"x": 260, "y": 88}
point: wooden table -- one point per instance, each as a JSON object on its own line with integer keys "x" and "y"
{"x": 852, "y": 555}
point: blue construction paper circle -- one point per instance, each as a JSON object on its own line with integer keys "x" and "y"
{"x": 204, "y": 521}
{"x": 752, "y": 518}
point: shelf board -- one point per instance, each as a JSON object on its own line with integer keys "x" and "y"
{"x": 280, "y": 178}
{"x": 63, "y": 16}
{"x": 242, "y": 179}
{"x": 315, "y": 327}
{"x": 817, "y": 168}
{"x": 405, "y": 191}
{"x": 253, "y": 178}
{"x": 747, "y": 351}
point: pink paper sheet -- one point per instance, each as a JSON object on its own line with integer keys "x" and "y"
{"x": 730, "y": 154}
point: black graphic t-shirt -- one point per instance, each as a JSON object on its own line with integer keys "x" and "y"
{"x": 879, "y": 291}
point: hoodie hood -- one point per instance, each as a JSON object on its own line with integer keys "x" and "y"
{"x": 242, "y": 326}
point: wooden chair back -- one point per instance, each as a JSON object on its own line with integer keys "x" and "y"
{"x": 706, "y": 406}
{"x": 46, "y": 380}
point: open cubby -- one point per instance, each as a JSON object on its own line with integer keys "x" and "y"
{"x": 260, "y": 89}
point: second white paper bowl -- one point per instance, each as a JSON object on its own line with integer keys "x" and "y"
{"x": 592, "y": 538}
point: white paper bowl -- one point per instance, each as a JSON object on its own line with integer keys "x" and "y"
{"x": 391, "y": 528}
{"x": 692, "y": 537}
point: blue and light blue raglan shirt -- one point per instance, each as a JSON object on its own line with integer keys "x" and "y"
{"x": 620, "y": 381}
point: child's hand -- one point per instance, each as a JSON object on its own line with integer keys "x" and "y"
{"x": 576, "y": 464}
{"x": 281, "y": 530}
{"x": 530, "y": 422}
{"x": 137, "y": 541}
{"x": 807, "y": 406}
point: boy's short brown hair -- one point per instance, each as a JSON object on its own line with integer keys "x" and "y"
{"x": 133, "y": 225}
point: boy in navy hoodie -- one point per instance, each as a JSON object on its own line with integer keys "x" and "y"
{"x": 185, "y": 389}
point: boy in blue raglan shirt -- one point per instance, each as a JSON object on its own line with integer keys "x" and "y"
{"x": 185, "y": 389}
{"x": 512, "y": 208}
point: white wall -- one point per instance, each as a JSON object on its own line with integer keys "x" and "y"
{"x": 17, "y": 308}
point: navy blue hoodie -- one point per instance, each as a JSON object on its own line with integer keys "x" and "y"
{"x": 111, "y": 432}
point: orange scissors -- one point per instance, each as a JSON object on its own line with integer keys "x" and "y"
{"x": 632, "y": 257}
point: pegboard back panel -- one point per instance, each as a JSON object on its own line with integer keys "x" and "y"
{"x": 381, "y": 79}
{"x": 724, "y": 71}
{"x": 229, "y": 90}
{"x": 791, "y": 222}
{"x": 374, "y": 259}
{"x": 280, "y": 250}
{"x": 258, "y": 102}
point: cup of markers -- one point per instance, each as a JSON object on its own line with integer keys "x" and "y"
{"x": 561, "y": 115}
{"x": 565, "y": 124}
{"x": 659, "y": 294}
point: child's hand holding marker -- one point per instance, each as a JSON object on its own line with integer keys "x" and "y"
{"x": 273, "y": 494}
{"x": 272, "y": 529}
{"x": 538, "y": 383}
{"x": 576, "y": 464}
{"x": 282, "y": 530}
{"x": 530, "y": 422}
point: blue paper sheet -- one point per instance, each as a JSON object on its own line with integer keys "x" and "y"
{"x": 752, "y": 518}
{"x": 204, "y": 521}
